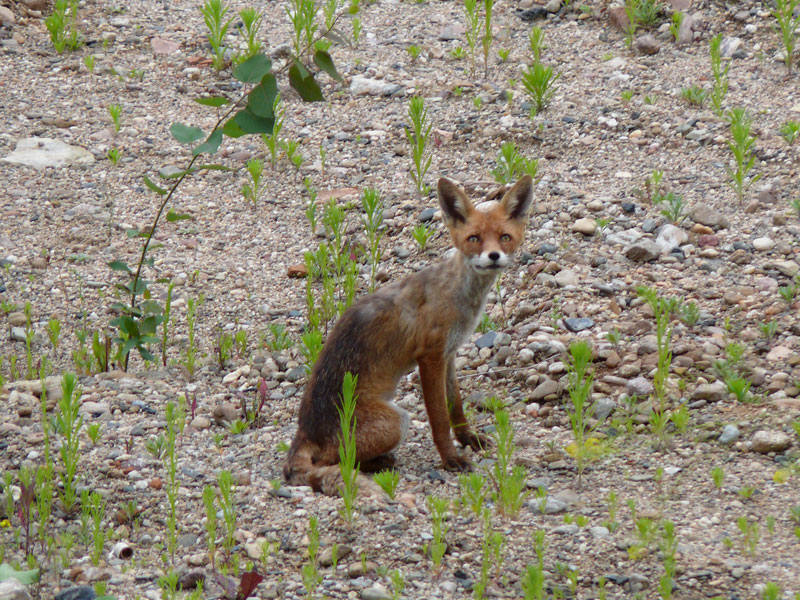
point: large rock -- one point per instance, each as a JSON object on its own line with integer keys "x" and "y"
{"x": 41, "y": 153}
{"x": 710, "y": 392}
{"x": 770, "y": 441}
{"x": 11, "y": 589}
{"x": 647, "y": 44}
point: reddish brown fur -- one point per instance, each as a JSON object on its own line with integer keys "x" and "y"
{"x": 421, "y": 320}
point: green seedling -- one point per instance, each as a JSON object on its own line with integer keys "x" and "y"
{"x": 626, "y": 96}
{"x": 347, "y": 447}
{"x": 631, "y": 11}
{"x": 675, "y": 210}
{"x": 689, "y": 313}
{"x": 413, "y": 52}
{"x": 720, "y": 74}
{"x": 312, "y": 578}
{"x": 718, "y": 477}
{"x": 486, "y": 39}
{"x": 790, "y": 131}
{"x": 511, "y": 165}
{"x": 97, "y": 508}
{"x": 214, "y": 15}
{"x": 647, "y": 12}
{"x": 421, "y": 234}
{"x": 473, "y": 492}
{"x": 536, "y": 43}
{"x": 93, "y": 431}
{"x": 788, "y": 25}
{"x": 398, "y": 584}
{"x": 209, "y": 498}
{"x": 742, "y": 148}
{"x": 251, "y": 21}
{"x": 675, "y": 25}
{"x": 772, "y": 591}
{"x": 438, "y": 508}
{"x": 418, "y": 134}
{"x": 228, "y": 507}
{"x": 584, "y": 446}
{"x": 695, "y": 95}
{"x": 68, "y": 425}
{"x": 61, "y": 24}
{"x": 273, "y": 140}
{"x": 540, "y": 84}
{"x": 115, "y": 111}
{"x": 356, "y": 21}
{"x": 252, "y": 191}
{"x": 372, "y": 219}
{"x": 89, "y": 62}
{"x": 388, "y": 481}
{"x": 303, "y": 16}
{"x": 457, "y": 52}
{"x": 502, "y": 54}
{"x": 508, "y": 479}
{"x": 279, "y": 337}
{"x": 472, "y": 28}
{"x": 768, "y": 329}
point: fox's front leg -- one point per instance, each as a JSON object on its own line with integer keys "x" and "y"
{"x": 458, "y": 422}
{"x": 432, "y": 374}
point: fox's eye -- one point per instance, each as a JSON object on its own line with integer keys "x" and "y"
{"x": 474, "y": 238}
{"x": 505, "y": 238}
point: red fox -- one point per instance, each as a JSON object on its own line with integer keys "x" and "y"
{"x": 421, "y": 320}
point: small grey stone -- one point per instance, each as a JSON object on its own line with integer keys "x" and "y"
{"x": 639, "y": 386}
{"x": 81, "y": 592}
{"x": 547, "y": 388}
{"x": 553, "y": 6}
{"x": 533, "y": 13}
{"x": 566, "y": 277}
{"x": 570, "y": 529}
{"x": 643, "y": 251}
{"x": 187, "y": 540}
{"x": 401, "y": 252}
{"x": 578, "y": 324}
{"x": 649, "y": 225}
{"x": 670, "y": 237}
{"x": 729, "y": 46}
{"x": 426, "y": 215}
{"x": 547, "y": 249}
{"x": 363, "y": 86}
{"x": 764, "y": 441}
{"x": 599, "y": 532}
{"x": 18, "y": 334}
{"x": 709, "y": 216}
{"x": 603, "y": 407}
{"x": 551, "y": 505}
{"x": 295, "y": 374}
{"x": 486, "y": 340}
{"x": 730, "y": 433}
{"x": 647, "y": 44}
{"x": 375, "y": 593}
{"x": 502, "y": 339}
{"x": 710, "y": 392}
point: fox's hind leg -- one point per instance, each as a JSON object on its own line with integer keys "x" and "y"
{"x": 380, "y": 427}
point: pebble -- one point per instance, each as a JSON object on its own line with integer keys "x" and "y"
{"x": 709, "y": 216}
{"x": 586, "y": 226}
{"x": 546, "y": 388}
{"x": 363, "y": 86}
{"x": 578, "y": 324}
{"x": 566, "y": 277}
{"x": 647, "y": 44}
{"x": 764, "y": 441}
{"x": 376, "y": 592}
{"x": 551, "y": 505}
{"x": 639, "y": 386}
{"x": 710, "y": 392}
{"x": 643, "y": 251}
{"x": 763, "y": 244}
{"x": 670, "y": 237}
{"x": 730, "y": 433}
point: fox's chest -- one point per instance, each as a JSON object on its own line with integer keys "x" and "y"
{"x": 463, "y": 327}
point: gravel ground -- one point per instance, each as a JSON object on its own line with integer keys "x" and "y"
{"x": 61, "y": 225}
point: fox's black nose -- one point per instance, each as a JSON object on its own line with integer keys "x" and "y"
{"x": 495, "y": 256}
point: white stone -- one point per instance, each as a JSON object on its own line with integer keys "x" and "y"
{"x": 671, "y": 237}
{"x": 586, "y": 226}
{"x": 763, "y": 244}
{"x": 47, "y": 152}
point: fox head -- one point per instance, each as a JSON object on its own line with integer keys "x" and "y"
{"x": 488, "y": 234}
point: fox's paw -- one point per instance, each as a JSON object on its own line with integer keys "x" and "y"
{"x": 474, "y": 440}
{"x": 456, "y": 462}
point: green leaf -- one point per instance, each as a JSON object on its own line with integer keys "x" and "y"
{"x": 324, "y": 61}
{"x": 118, "y": 265}
{"x": 262, "y": 97}
{"x": 184, "y": 134}
{"x": 156, "y": 188}
{"x": 172, "y": 216}
{"x": 232, "y": 130}
{"x": 211, "y": 145}
{"x": 177, "y": 174}
{"x": 303, "y": 82}
{"x": 253, "y": 69}
{"x": 133, "y": 232}
{"x": 215, "y": 101}
{"x": 24, "y": 577}
{"x": 251, "y": 123}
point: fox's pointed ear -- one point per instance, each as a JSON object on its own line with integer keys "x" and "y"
{"x": 517, "y": 200}
{"x": 455, "y": 204}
